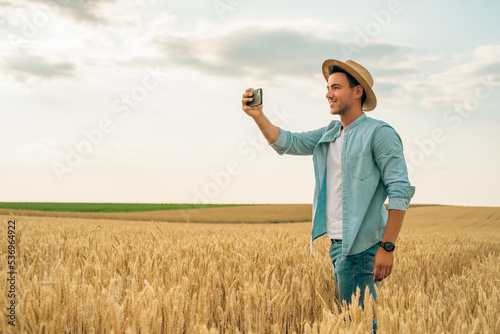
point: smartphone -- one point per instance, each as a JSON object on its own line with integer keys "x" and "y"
{"x": 257, "y": 98}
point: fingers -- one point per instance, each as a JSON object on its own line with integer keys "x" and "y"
{"x": 378, "y": 276}
{"x": 376, "y": 273}
{"x": 247, "y": 92}
{"x": 380, "y": 272}
{"x": 246, "y": 95}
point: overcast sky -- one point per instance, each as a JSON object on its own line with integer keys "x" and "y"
{"x": 140, "y": 101}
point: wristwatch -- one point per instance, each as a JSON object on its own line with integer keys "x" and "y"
{"x": 388, "y": 246}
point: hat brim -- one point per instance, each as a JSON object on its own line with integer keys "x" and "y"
{"x": 371, "y": 99}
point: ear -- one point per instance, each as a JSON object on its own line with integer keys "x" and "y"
{"x": 359, "y": 91}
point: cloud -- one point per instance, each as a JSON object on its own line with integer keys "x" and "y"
{"x": 7, "y": 4}
{"x": 394, "y": 72}
{"x": 25, "y": 66}
{"x": 392, "y": 93}
{"x": 468, "y": 72}
{"x": 264, "y": 51}
{"x": 81, "y": 10}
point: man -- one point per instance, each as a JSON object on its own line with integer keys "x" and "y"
{"x": 358, "y": 164}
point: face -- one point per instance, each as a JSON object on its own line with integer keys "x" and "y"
{"x": 340, "y": 95}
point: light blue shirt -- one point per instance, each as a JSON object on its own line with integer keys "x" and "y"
{"x": 373, "y": 168}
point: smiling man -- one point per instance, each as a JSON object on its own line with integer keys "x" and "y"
{"x": 358, "y": 164}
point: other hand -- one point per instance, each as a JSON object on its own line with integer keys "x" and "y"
{"x": 382, "y": 264}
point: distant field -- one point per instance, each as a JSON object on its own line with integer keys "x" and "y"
{"x": 106, "y": 207}
{"x": 420, "y": 216}
{"x": 121, "y": 207}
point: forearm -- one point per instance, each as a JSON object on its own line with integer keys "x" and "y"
{"x": 394, "y": 223}
{"x": 270, "y": 131}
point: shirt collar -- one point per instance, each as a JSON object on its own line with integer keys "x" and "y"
{"x": 335, "y": 132}
{"x": 355, "y": 123}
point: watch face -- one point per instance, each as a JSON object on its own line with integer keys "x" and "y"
{"x": 388, "y": 246}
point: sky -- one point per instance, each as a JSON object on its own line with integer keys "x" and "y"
{"x": 140, "y": 100}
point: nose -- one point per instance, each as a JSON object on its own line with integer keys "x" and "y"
{"x": 328, "y": 94}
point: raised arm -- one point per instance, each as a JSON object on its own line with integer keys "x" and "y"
{"x": 268, "y": 129}
{"x": 282, "y": 141}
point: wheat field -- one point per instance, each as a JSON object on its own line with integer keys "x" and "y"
{"x": 79, "y": 275}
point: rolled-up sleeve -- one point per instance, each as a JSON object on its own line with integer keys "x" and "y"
{"x": 297, "y": 143}
{"x": 280, "y": 143}
{"x": 388, "y": 153}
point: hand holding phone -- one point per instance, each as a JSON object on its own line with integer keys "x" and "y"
{"x": 257, "y": 98}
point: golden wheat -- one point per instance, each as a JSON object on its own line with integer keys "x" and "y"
{"x": 109, "y": 276}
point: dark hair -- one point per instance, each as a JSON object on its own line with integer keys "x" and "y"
{"x": 352, "y": 82}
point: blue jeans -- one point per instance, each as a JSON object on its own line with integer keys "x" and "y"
{"x": 355, "y": 271}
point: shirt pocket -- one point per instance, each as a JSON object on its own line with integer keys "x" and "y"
{"x": 362, "y": 165}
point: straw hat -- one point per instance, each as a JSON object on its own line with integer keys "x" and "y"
{"x": 359, "y": 73}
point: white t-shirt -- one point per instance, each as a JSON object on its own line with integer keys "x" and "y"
{"x": 334, "y": 188}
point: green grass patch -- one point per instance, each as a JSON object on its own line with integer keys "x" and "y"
{"x": 107, "y": 207}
